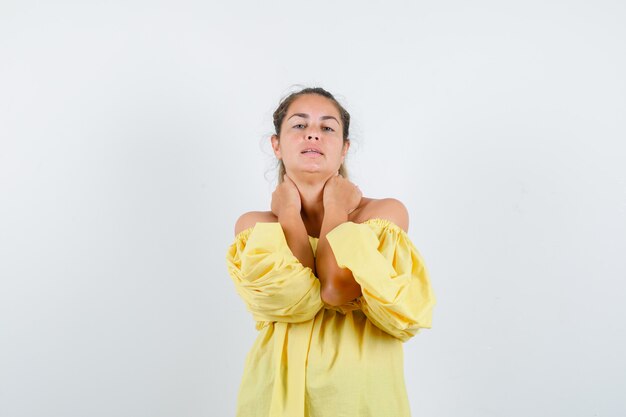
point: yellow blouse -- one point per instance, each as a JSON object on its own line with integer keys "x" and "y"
{"x": 311, "y": 359}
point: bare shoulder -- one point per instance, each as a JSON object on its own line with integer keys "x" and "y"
{"x": 390, "y": 209}
{"x": 249, "y": 219}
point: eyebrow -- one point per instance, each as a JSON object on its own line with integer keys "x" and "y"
{"x": 306, "y": 116}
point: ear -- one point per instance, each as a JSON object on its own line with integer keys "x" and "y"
{"x": 276, "y": 145}
{"x": 346, "y": 146}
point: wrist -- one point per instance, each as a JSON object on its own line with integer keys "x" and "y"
{"x": 289, "y": 216}
{"x": 335, "y": 208}
{"x": 289, "y": 211}
{"x": 333, "y": 218}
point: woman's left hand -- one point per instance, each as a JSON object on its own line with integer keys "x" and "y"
{"x": 339, "y": 193}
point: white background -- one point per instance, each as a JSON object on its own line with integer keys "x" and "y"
{"x": 133, "y": 134}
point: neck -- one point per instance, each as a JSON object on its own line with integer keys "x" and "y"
{"x": 312, "y": 198}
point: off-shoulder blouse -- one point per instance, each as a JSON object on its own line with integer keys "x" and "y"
{"x": 315, "y": 360}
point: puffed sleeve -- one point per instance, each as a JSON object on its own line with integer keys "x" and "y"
{"x": 396, "y": 293}
{"x": 272, "y": 282}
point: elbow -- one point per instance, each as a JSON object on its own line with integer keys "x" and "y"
{"x": 336, "y": 294}
{"x": 330, "y": 296}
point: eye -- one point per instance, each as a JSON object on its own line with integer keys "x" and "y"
{"x": 296, "y": 126}
{"x": 330, "y": 129}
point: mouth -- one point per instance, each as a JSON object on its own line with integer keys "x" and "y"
{"x": 313, "y": 151}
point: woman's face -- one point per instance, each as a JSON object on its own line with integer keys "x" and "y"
{"x": 311, "y": 138}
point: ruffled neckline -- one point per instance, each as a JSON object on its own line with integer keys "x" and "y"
{"x": 378, "y": 221}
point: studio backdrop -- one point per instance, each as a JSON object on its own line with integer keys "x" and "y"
{"x": 134, "y": 134}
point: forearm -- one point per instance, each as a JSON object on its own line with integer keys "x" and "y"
{"x": 297, "y": 238}
{"x": 337, "y": 284}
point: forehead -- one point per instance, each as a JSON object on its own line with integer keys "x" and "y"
{"x": 314, "y": 105}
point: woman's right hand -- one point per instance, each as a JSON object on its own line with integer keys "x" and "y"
{"x": 286, "y": 198}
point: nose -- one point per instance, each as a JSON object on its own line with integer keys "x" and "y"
{"x": 313, "y": 132}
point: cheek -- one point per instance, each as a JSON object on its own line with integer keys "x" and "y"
{"x": 288, "y": 150}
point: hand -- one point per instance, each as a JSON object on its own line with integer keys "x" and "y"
{"x": 286, "y": 197}
{"x": 342, "y": 194}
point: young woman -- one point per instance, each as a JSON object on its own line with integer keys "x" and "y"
{"x": 331, "y": 278}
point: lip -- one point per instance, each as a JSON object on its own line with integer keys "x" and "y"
{"x": 311, "y": 155}
{"x": 313, "y": 148}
